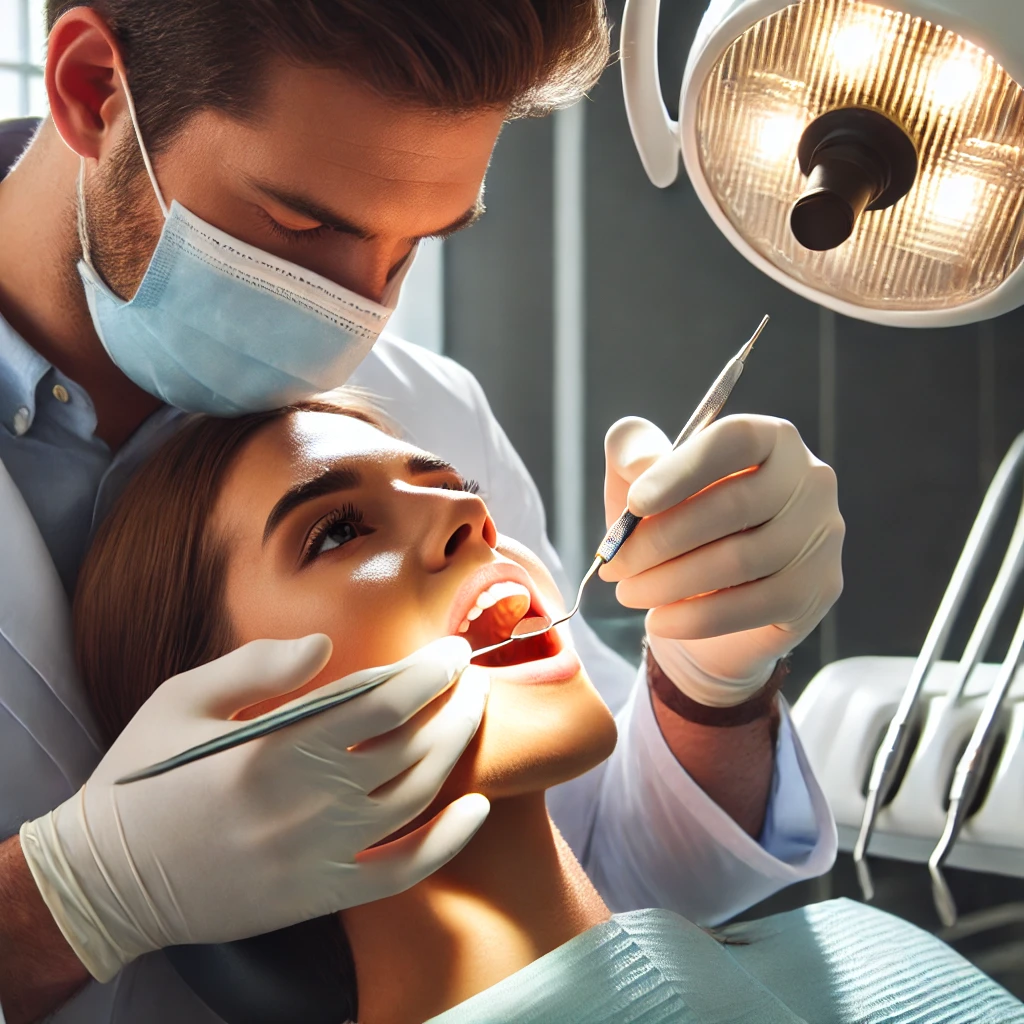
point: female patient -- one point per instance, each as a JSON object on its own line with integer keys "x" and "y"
{"x": 315, "y": 519}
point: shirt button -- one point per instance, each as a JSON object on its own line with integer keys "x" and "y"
{"x": 61, "y": 393}
{"x": 22, "y": 421}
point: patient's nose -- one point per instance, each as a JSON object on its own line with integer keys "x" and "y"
{"x": 463, "y": 525}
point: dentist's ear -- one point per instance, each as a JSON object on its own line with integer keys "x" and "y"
{"x": 87, "y": 103}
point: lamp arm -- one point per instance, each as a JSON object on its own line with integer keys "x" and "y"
{"x": 655, "y": 133}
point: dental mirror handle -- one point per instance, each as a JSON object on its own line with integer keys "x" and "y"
{"x": 254, "y": 730}
{"x": 711, "y": 405}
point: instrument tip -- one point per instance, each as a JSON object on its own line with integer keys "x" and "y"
{"x": 942, "y": 896}
{"x": 745, "y": 351}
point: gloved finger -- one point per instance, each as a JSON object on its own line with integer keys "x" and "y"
{"x": 400, "y": 864}
{"x": 418, "y": 679}
{"x": 797, "y": 598}
{"x": 409, "y": 794}
{"x": 377, "y": 762}
{"x": 738, "y": 503}
{"x": 728, "y": 446}
{"x": 256, "y": 671}
{"x": 740, "y": 558}
{"x": 631, "y": 445}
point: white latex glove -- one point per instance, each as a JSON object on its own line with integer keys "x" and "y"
{"x": 735, "y": 574}
{"x": 266, "y": 834}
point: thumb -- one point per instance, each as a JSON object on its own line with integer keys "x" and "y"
{"x": 631, "y": 446}
{"x": 400, "y": 864}
{"x": 255, "y": 672}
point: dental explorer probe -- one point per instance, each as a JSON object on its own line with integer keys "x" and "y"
{"x": 710, "y": 406}
{"x": 618, "y": 533}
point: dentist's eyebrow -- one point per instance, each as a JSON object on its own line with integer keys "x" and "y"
{"x": 307, "y": 208}
{"x": 337, "y": 478}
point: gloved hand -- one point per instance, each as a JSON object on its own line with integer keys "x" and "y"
{"x": 266, "y": 834}
{"x": 735, "y": 574}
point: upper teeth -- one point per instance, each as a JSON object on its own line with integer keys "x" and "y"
{"x": 491, "y": 596}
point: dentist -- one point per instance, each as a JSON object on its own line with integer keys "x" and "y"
{"x": 216, "y": 216}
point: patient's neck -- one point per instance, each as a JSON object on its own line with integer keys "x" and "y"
{"x": 515, "y": 893}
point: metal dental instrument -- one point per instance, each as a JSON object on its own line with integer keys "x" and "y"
{"x": 710, "y": 406}
{"x": 891, "y": 752}
{"x": 969, "y": 772}
{"x": 262, "y": 727}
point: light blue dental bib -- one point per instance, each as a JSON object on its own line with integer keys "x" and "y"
{"x": 837, "y": 962}
{"x": 220, "y": 327}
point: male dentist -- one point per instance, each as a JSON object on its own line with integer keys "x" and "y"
{"x": 216, "y": 216}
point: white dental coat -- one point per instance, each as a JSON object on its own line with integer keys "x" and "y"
{"x": 646, "y": 833}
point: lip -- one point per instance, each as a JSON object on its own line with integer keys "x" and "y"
{"x": 477, "y": 582}
{"x": 559, "y": 668}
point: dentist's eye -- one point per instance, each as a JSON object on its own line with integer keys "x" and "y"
{"x": 293, "y": 234}
{"x": 335, "y": 530}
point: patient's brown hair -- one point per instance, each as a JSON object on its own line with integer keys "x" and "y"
{"x": 148, "y": 603}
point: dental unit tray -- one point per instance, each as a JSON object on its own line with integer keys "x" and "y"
{"x": 841, "y": 718}
{"x": 913, "y": 751}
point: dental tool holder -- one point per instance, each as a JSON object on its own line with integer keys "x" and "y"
{"x": 848, "y": 712}
{"x": 841, "y": 718}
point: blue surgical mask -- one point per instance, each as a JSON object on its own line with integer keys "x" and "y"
{"x": 219, "y": 326}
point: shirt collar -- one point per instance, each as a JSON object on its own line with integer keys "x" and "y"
{"x": 21, "y": 370}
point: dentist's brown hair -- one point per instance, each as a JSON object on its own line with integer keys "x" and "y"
{"x": 182, "y": 56}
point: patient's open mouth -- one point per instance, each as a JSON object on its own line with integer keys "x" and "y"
{"x": 498, "y": 609}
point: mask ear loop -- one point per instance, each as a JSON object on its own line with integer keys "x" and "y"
{"x": 83, "y": 232}
{"x": 142, "y": 146}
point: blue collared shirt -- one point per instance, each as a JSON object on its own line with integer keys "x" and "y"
{"x": 66, "y": 474}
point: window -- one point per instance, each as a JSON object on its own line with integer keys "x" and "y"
{"x": 22, "y": 41}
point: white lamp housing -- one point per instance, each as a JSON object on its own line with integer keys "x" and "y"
{"x": 761, "y": 76}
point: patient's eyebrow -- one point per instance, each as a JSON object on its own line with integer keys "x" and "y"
{"x": 421, "y": 463}
{"x": 337, "y": 478}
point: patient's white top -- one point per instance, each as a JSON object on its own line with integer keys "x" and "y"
{"x": 645, "y": 832}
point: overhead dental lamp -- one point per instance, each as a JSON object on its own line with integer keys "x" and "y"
{"x": 868, "y": 157}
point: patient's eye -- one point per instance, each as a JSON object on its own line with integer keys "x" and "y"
{"x": 470, "y": 486}
{"x": 334, "y": 530}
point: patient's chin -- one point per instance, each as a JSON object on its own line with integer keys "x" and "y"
{"x": 534, "y": 737}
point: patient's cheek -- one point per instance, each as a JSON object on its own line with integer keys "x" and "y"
{"x": 272, "y": 703}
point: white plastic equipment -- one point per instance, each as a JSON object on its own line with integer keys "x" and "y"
{"x": 841, "y": 718}
{"x": 948, "y": 72}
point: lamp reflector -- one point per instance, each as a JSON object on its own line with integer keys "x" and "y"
{"x": 956, "y": 235}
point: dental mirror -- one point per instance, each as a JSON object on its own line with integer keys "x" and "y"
{"x": 531, "y": 625}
